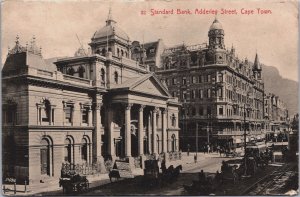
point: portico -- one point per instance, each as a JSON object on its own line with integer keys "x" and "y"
{"x": 144, "y": 127}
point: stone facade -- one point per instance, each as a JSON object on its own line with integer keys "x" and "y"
{"x": 276, "y": 115}
{"x": 221, "y": 93}
{"x": 99, "y": 104}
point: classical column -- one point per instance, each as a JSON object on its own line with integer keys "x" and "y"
{"x": 97, "y": 132}
{"x": 154, "y": 131}
{"x": 50, "y": 115}
{"x": 111, "y": 148}
{"x": 127, "y": 131}
{"x": 141, "y": 131}
{"x": 149, "y": 134}
{"x": 90, "y": 117}
{"x": 164, "y": 131}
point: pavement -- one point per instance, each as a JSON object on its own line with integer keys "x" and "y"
{"x": 52, "y": 186}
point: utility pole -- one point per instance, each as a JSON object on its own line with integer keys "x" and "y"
{"x": 196, "y": 138}
{"x": 245, "y": 143}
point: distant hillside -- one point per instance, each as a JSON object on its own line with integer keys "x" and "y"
{"x": 286, "y": 89}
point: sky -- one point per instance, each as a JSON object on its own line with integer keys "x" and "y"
{"x": 55, "y": 25}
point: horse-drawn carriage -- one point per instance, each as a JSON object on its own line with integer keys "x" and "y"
{"x": 205, "y": 185}
{"x": 153, "y": 177}
{"x": 74, "y": 183}
{"x": 71, "y": 180}
{"x": 151, "y": 172}
{"x": 121, "y": 169}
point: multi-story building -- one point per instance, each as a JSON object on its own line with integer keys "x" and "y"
{"x": 222, "y": 95}
{"x": 81, "y": 109}
{"x": 276, "y": 116}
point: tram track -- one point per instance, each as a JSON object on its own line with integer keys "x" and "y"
{"x": 268, "y": 181}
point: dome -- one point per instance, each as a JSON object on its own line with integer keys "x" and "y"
{"x": 216, "y": 25}
{"x": 110, "y": 29}
{"x": 80, "y": 52}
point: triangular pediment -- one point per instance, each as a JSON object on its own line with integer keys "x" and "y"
{"x": 150, "y": 85}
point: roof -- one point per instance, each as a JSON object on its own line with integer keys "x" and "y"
{"x": 20, "y": 60}
{"x": 256, "y": 65}
{"x": 215, "y": 25}
{"x": 110, "y": 29}
{"x": 30, "y": 56}
{"x": 147, "y": 83}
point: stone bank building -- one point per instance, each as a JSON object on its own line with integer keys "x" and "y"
{"x": 100, "y": 104}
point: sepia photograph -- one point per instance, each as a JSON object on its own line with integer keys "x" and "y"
{"x": 143, "y": 98}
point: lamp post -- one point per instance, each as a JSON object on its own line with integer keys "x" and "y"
{"x": 184, "y": 108}
{"x": 208, "y": 127}
{"x": 246, "y": 109}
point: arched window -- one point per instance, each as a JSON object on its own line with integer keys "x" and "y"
{"x": 116, "y": 77}
{"x": 118, "y": 52}
{"x": 126, "y": 54}
{"x": 102, "y": 75}
{"x": 81, "y": 72}
{"x": 122, "y": 53}
{"x": 85, "y": 150}
{"x": 98, "y": 51}
{"x": 68, "y": 150}
{"x": 71, "y": 71}
{"x": 46, "y": 156}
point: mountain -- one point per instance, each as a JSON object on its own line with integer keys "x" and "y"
{"x": 286, "y": 89}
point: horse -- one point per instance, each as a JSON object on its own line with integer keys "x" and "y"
{"x": 176, "y": 172}
{"x": 167, "y": 173}
{"x": 113, "y": 174}
{"x": 163, "y": 167}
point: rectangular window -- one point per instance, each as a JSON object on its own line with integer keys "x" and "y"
{"x": 220, "y": 92}
{"x": 200, "y": 93}
{"x": 201, "y": 111}
{"x": 192, "y": 94}
{"x": 68, "y": 114}
{"x": 208, "y": 110}
{"x": 194, "y": 79}
{"x": 85, "y": 115}
{"x": 174, "y": 94}
{"x": 174, "y": 81}
{"x": 220, "y": 77}
{"x": 184, "y": 96}
{"x": 200, "y": 79}
{"x": 208, "y": 93}
{"x": 183, "y": 81}
{"x": 221, "y": 111}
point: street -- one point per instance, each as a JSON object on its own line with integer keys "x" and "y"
{"x": 136, "y": 186}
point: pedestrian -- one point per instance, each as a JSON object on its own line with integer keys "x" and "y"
{"x": 208, "y": 148}
{"x": 202, "y": 177}
{"x": 188, "y": 150}
{"x": 195, "y": 158}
